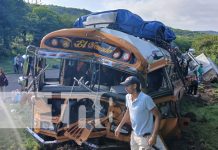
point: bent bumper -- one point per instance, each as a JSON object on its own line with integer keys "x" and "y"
{"x": 39, "y": 139}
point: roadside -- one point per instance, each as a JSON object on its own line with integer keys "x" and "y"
{"x": 12, "y": 138}
{"x": 6, "y": 64}
{"x": 201, "y": 134}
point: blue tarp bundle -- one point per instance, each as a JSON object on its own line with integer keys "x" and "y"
{"x": 133, "y": 24}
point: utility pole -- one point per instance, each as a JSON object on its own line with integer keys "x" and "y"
{"x": 34, "y": 1}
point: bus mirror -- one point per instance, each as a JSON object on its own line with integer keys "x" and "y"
{"x": 31, "y": 48}
{"x": 22, "y": 80}
{"x": 25, "y": 56}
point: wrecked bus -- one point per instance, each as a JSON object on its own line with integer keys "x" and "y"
{"x": 81, "y": 99}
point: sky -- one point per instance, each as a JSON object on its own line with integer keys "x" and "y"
{"x": 195, "y": 15}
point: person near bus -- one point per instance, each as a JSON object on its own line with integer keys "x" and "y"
{"x": 3, "y": 83}
{"x": 200, "y": 72}
{"x": 19, "y": 63}
{"x": 15, "y": 66}
{"x": 193, "y": 85}
{"x": 141, "y": 111}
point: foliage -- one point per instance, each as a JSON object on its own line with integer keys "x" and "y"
{"x": 205, "y": 127}
{"x": 207, "y": 44}
{"x": 184, "y": 38}
{"x": 22, "y": 24}
{"x": 12, "y": 14}
{"x": 187, "y": 33}
{"x": 73, "y": 12}
{"x": 184, "y": 43}
{"x": 203, "y": 42}
{"x": 44, "y": 21}
{"x": 6, "y": 64}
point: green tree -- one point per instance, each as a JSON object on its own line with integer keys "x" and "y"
{"x": 42, "y": 21}
{"x": 22, "y": 24}
{"x": 12, "y": 14}
{"x": 207, "y": 44}
{"x": 184, "y": 43}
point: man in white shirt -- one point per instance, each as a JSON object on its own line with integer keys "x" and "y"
{"x": 140, "y": 111}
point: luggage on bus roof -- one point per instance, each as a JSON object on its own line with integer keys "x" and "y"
{"x": 125, "y": 21}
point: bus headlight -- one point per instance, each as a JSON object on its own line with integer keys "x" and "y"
{"x": 126, "y": 56}
{"x": 66, "y": 43}
{"x": 117, "y": 54}
{"x": 54, "y": 42}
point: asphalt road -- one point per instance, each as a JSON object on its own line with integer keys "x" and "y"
{"x": 12, "y": 82}
{"x": 13, "y": 79}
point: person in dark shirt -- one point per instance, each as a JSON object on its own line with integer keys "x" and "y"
{"x": 200, "y": 72}
{"x": 193, "y": 85}
{"x": 3, "y": 80}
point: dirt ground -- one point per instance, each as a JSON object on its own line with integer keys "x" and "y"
{"x": 201, "y": 134}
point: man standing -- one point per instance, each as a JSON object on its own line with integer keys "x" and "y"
{"x": 15, "y": 65}
{"x": 140, "y": 111}
{"x": 200, "y": 72}
{"x": 3, "y": 83}
{"x": 19, "y": 63}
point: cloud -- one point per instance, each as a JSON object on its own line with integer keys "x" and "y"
{"x": 183, "y": 14}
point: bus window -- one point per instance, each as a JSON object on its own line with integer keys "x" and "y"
{"x": 158, "y": 82}
{"x": 95, "y": 76}
{"x": 111, "y": 77}
{"x": 75, "y": 69}
{"x": 52, "y": 74}
{"x": 155, "y": 80}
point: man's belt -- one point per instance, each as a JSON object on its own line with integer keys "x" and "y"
{"x": 146, "y": 134}
{"x": 153, "y": 146}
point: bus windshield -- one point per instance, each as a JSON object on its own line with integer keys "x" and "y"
{"x": 95, "y": 76}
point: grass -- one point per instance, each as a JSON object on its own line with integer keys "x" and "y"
{"x": 15, "y": 138}
{"x": 6, "y": 64}
{"x": 205, "y": 128}
{"x": 9, "y": 142}
{"x": 53, "y": 63}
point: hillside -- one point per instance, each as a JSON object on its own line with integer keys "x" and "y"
{"x": 187, "y": 33}
{"x": 69, "y": 11}
{"x": 202, "y": 41}
{"x": 22, "y": 24}
{"x": 209, "y": 32}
